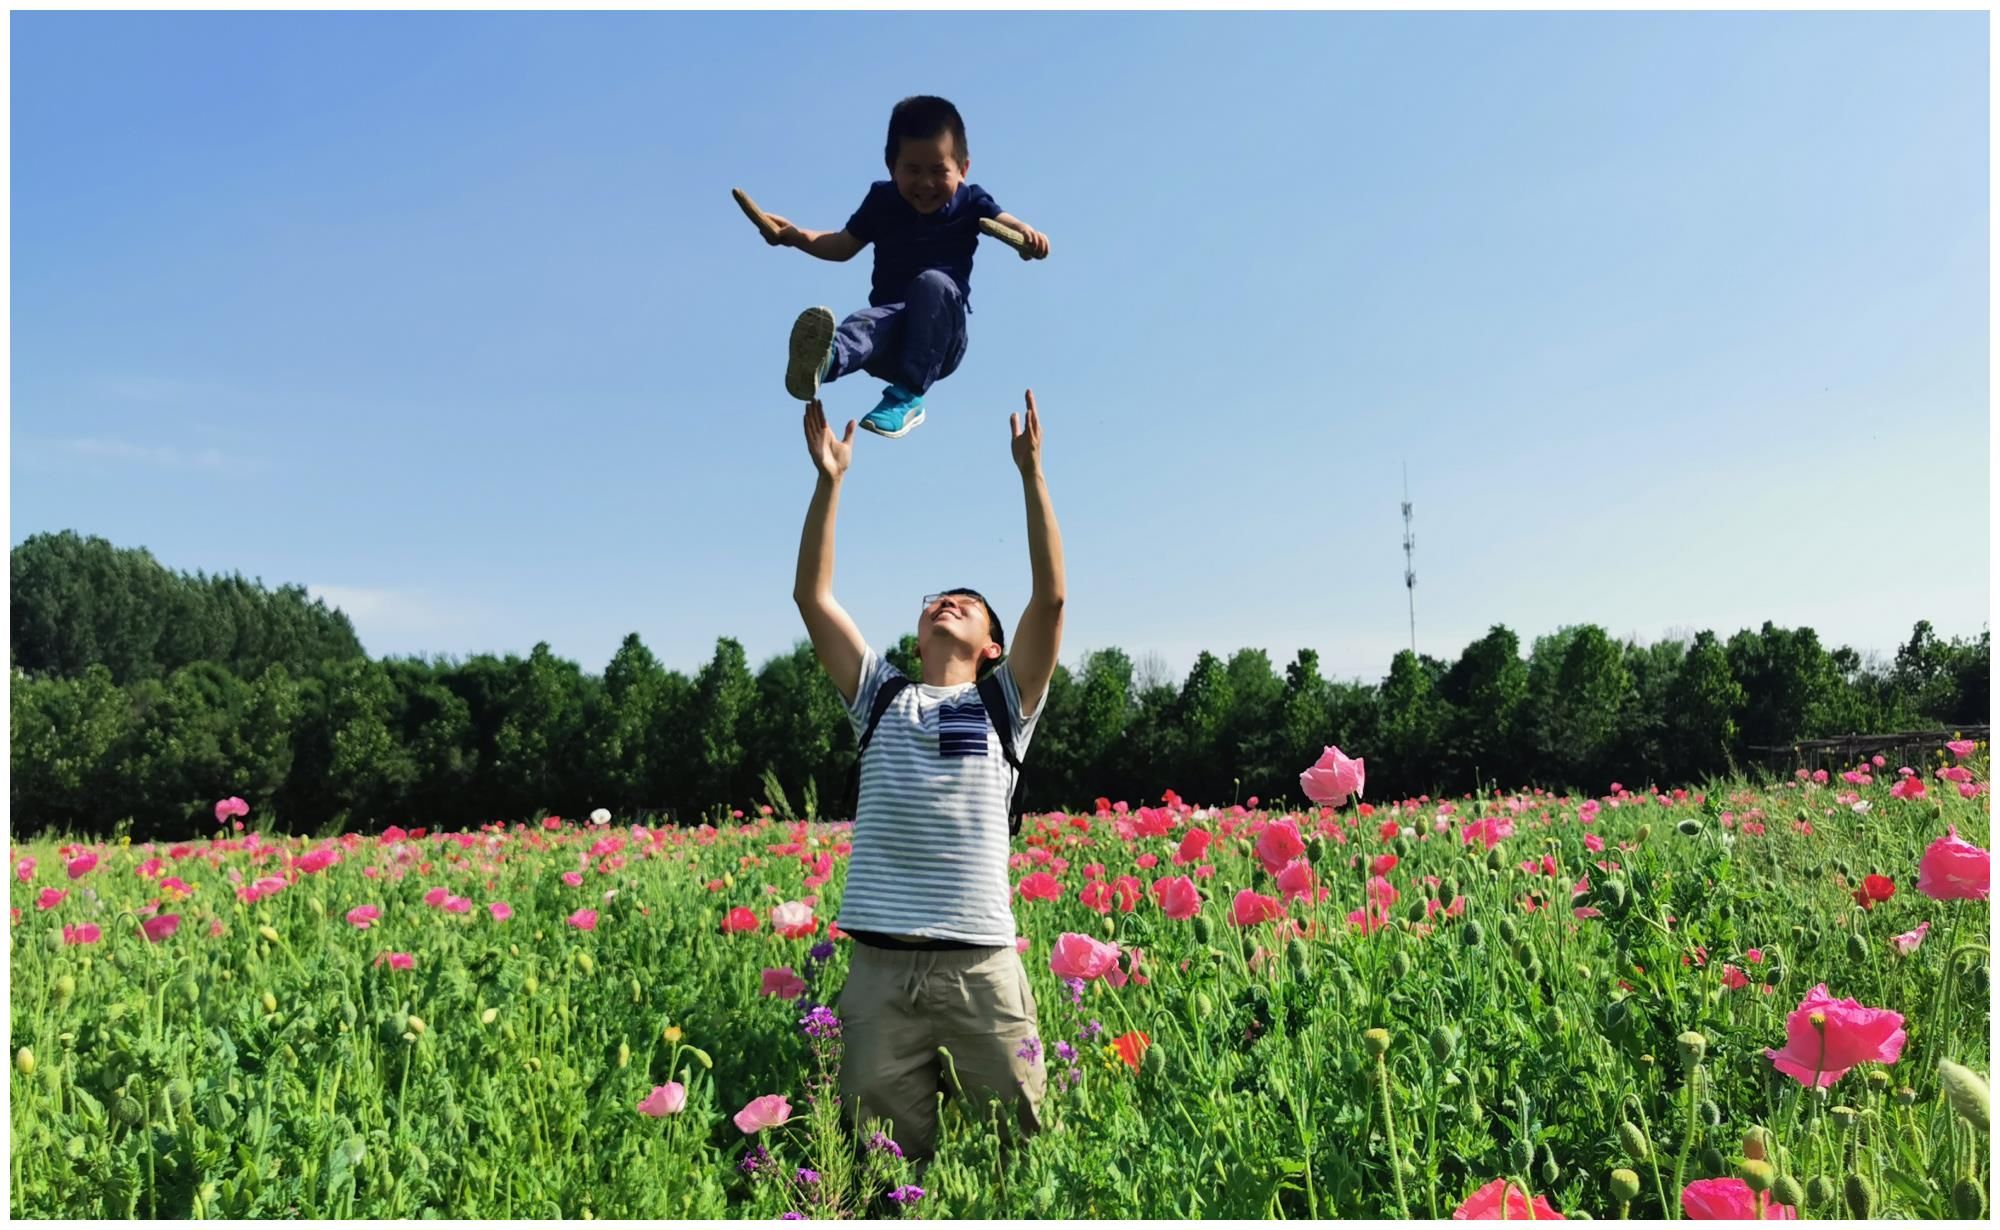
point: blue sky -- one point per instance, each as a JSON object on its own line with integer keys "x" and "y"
{"x": 1680, "y": 321}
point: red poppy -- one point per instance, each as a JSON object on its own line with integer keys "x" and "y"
{"x": 1132, "y": 1047}
{"x": 1873, "y": 889}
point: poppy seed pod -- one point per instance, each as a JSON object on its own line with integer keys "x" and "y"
{"x": 1820, "y": 1192}
{"x": 1757, "y": 1175}
{"x": 1756, "y": 1144}
{"x": 1968, "y": 1199}
{"x": 1846, "y": 1116}
{"x": 1968, "y": 1094}
{"x": 1634, "y": 1140}
{"x": 1860, "y": 1196}
{"x": 1689, "y": 828}
{"x": 1786, "y": 1191}
{"x": 1906, "y": 1096}
{"x": 1376, "y": 1040}
{"x": 1624, "y": 1185}
{"x": 1693, "y": 1045}
{"x": 1443, "y": 1041}
{"x": 1713, "y": 1163}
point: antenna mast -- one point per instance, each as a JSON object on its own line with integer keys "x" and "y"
{"x": 1409, "y": 559}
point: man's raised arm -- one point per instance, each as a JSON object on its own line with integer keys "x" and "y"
{"x": 1038, "y": 639}
{"x": 834, "y": 636}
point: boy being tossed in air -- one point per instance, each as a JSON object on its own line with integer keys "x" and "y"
{"x": 924, "y": 223}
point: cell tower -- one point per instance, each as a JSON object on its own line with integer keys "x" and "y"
{"x": 1409, "y": 559}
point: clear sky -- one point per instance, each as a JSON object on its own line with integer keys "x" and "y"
{"x": 1680, "y": 321}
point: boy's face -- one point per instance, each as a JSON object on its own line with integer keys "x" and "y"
{"x": 928, "y": 172}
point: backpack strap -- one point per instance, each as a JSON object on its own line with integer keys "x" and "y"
{"x": 995, "y": 700}
{"x": 885, "y": 695}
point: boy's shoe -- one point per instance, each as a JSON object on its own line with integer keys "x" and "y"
{"x": 897, "y": 415}
{"x": 812, "y": 353}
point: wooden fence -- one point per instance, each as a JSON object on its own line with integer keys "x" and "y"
{"x": 1915, "y": 748}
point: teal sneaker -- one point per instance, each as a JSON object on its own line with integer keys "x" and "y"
{"x": 812, "y": 353}
{"x": 898, "y": 414}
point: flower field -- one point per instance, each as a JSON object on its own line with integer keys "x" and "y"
{"x": 1759, "y": 1000}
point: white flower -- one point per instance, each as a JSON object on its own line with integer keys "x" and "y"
{"x": 600, "y": 816}
{"x": 1861, "y": 808}
{"x": 1407, "y": 831}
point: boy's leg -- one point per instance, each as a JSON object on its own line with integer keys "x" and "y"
{"x": 933, "y": 332}
{"x": 889, "y": 1065}
{"x": 865, "y": 340}
{"x": 987, "y": 1022}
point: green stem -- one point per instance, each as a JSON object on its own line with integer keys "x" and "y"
{"x": 1389, "y": 1129}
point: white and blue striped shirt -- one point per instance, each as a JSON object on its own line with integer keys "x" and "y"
{"x": 930, "y": 830}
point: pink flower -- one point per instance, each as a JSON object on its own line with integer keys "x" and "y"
{"x": 1729, "y": 1200}
{"x": 1879, "y": 762}
{"x": 437, "y": 896}
{"x": 1079, "y": 956}
{"x": 160, "y": 927}
{"x": 769, "y": 1111}
{"x": 1296, "y": 880}
{"x": 1251, "y": 908}
{"x": 1021, "y": 944}
{"x": 80, "y": 866}
{"x": 1954, "y": 869}
{"x": 231, "y": 806}
{"x": 741, "y": 918}
{"x": 1485, "y": 1205}
{"x": 1279, "y": 845}
{"x": 364, "y": 916}
{"x": 1907, "y": 942}
{"x": 82, "y": 933}
{"x": 1333, "y": 778}
{"x": 24, "y": 870}
{"x": 783, "y": 983}
{"x": 1040, "y": 886}
{"x": 1734, "y": 978}
{"x": 572, "y": 878}
{"x": 665, "y": 1100}
{"x": 396, "y": 960}
{"x": 317, "y": 860}
{"x": 1193, "y": 847}
{"x": 1828, "y": 1036}
{"x": 500, "y": 911}
{"x": 1148, "y": 861}
{"x": 1962, "y": 748}
{"x": 458, "y": 905}
{"x": 1908, "y": 788}
{"x": 584, "y": 920}
{"x": 794, "y": 920}
{"x": 50, "y": 898}
{"x": 1177, "y": 896}
{"x": 1593, "y": 843}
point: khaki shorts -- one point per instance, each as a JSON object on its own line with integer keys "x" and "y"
{"x": 899, "y": 1007}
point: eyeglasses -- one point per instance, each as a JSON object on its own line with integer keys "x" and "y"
{"x": 931, "y": 600}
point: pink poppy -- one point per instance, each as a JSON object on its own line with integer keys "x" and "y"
{"x": 1908, "y": 788}
{"x": 1381, "y": 892}
{"x": 396, "y": 960}
{"x": 1907, "y": 942}
{"x": 1371, "y": 919}
{"x": 1333, "y": 778}
{"x": 80, "y": 866}
{"x": 1383, "y": 864}
{"x": 1178, "y": 896}
{"x": 572, "y": 878}
{"x": 231, "y": 806}
{"x": 1954, "y": 869}
{"x": 364, "y": 916}
{"x": 1280, "y": 844}
{"x": 1828, "y": 1037}
{"x": 1148, "y": 861}
{"x": 1118, "y": 977}
{"x": 317, "y": 860}
{"x": 50, "y": 898}
{"x": 437, "y": 896}
{"x": 584, "y": 920}
{"x": 1734, "y": 978}
{"x": 500, "y": 911}
{"x": 665, "y": 1100}
{"x": 1962, "y": 748}
{"x": 1433, "y": 905}
{"x": 783, "y": 983}
{"x": 161, "y": 927}
{"x": 1250, "y": 908}
{"x": 771, "y": 1110}
{"x": 81, "y": 933}
{"x": 1193, "y": 847}
{"x": 24, "y": 870}
{"x": 1040, "y": 886}
{"x": 1485, "y": 1205}
{"x": 793, "y": 920}
{"x": 1079, "y": 956}
{"x": 1296, "y": 880}
{"x": 1593, "y": 843}
{"x": 1729, "y": 1200}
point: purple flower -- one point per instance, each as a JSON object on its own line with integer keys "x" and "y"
{"x": 821, "y": 1022}
{"x": 754, "y": 1160}
{"x": 1065, "y": 1052}
{"x": 1075, "y": 986}
{"x": 821, "y": 951}
{"x": 808, "y": 1176}
{"x": 906, "y": 1195}
{"x": 1031, "y": 1050}
{"x": 1093, "y": 1029}
{"x": 882, "y": 1144}
{"x": 793, "y": 1216}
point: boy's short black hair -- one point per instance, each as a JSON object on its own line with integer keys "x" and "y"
{"x": 922, "y": 117}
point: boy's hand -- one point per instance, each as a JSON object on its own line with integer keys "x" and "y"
{"x": 1027, "y": 443}
{"x": 1034, "y": 246}
{"x": 830, "y": 456}
{"x": 788, "y": 236}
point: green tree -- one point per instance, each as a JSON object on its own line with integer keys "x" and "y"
{"x": 1702, "y": 705}
{"x": 1487, "y": 689}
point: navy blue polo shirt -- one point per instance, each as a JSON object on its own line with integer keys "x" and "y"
{"x": 907, "y": 243}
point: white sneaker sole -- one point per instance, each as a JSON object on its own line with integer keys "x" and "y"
{"x": 812, "y": 334}
{"x": 909, "y": 425}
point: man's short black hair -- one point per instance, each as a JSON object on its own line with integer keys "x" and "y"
{"x": 994, "y": 631}
{"x": 921, "y": 118}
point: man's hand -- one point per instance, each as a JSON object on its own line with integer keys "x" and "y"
{"x": 1027, "y": 443}
{"x": 832, "y": 457}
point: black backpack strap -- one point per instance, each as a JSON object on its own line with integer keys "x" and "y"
{"x": 995, "y": 700}
{"x": 885, "y": 695}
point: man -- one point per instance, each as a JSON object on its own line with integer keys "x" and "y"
{"x": 928, "y": 900}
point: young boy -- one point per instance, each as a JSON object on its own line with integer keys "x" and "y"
{"x": 924, "y": 223}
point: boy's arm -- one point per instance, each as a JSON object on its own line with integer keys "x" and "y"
{"x": 1038, "y": 639}
{"x": 838, "y": 245}
{"x": 834, "y": 637}
{"x": 1038, "y": 243}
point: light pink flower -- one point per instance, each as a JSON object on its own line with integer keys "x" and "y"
{"x": 81, "y": 933}
{"x": 771, "y": 1110}
{"x": 231, "y": 806}
{"x": 573, "y": 878}
{"x": 396, "y": 960}
{"x": 1907, "y": 942}
{"x": 584, "y": 920}
{"x": 793, "y": 920}
{"x": 1079, "y": 956}
{"x": 24, "y": 870}
{"x": 500, "y": 911}
{"x": 364, "y": 916}
{"x": 317, "y": 860}
{"x": 1954, "y": 869}
{"x": 437, "y": 896}
{"x": 1333, "y": 778}
{"x": 665, "y": 1100}
{"x": 1828, "y": 1037}
{"x": 1962, "y": 748}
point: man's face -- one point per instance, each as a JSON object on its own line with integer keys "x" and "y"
{"x": 928, "y": 172}
{"x": 959, "y": 618}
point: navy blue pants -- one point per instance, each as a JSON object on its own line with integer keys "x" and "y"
{"x": 912, "y": 344}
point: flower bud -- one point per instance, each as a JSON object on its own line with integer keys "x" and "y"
{"x": 1296, "y": 955}
{"x": 270, "y": 1002}
{"x": 1470, "y": 935}
{"x": 1400, "y": 965}
{"x": 701, "y": 1057}
{"x": 1968, "y": 1199}
{"x": 1155, "y": 1062}
{"x": 1624, "y": 1185}
{"x": 1548, "y": 1171}
{"x": 1109, "y": 926}
{"x": 1443, "y": 1041}
{"x": 1689, "y": 828}
{"x": 1520, "y": 1157}
{"x": 584, "y": 963}
{"x": 1645, "y": 831}
{"x": 1203, "y": 1006}
{"x": 487, "y": 1017}
{"x": 1711, "y": 1114}
{"x": 1507, "y": 931}
{"x": 671, "y": 1034}
{"x": 65, "y": 988}
{"x": 268, "y": 932}
{"x": 416, "y": 1025}
{"x": 624, "y": 1055}
{"x": 1204, "y": 931}
{"x": 1820, "y": 1192}
{"x": 1860, "y": 1196}
{"x": 531, "y": 984}
{"x": 1788, "y": 1192}
{"x": 1857, "y": 948}
{"x": 1634, "y": 1140}
{"x": 1757, "y": 1175}
{"x": 1968, "y": 1094}
{"x": 1713, "y": 1165}
{"x": 1757, "y": 1144}
{"x": 24, "y": 1061}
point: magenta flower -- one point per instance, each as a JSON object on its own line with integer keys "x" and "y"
{"x": 665, "y": 1100}
{"x": 317, "y": 860}
{"x": 501, "y": 911}
{"x": 1333, "y": 778}
{"x": 24, "y": 870}
{"x": 1826, "y": 1037}
{"x": 1729, "y": 1200}
{"x": 783, "y": 983}
{"x": 1487, "y": 1203}
{"x": 584, "y": 920}
{"x": 161, "y": 927}
{"x": 573, "y": 878}
{"x": 1962, "y": 748}
{"x": 1954, "y": 869}
{"x": 437, "y": 896}
{"x": 81, "y": 933}
{"x": 396, "y": 960}
{"x": 81, "y": 865}
{"x": 1279, "y": 845}
{"x": 365, "y": 916}
{"x": 457, "y": 905}
{"x": 50, "y": 898}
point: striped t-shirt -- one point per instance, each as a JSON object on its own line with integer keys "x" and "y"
{"x": 930, "y": 829}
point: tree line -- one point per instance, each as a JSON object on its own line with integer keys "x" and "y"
{"x": 140, "y": 695}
